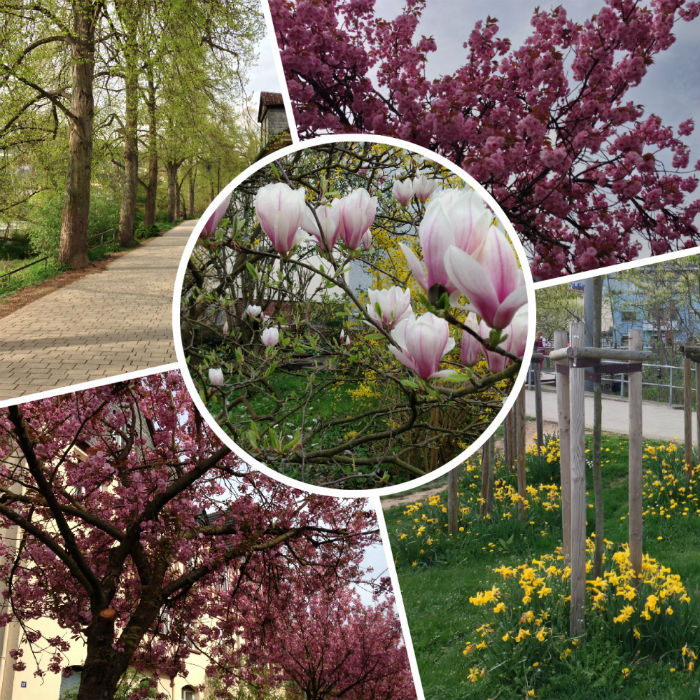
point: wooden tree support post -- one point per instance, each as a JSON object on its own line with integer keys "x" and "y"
{"x": 452, "y": 502}
{"x": 486, "y": 477}
{"x": 687, "y": 413}
{"x": 635, "y": 459}
{"x": 538, "y": 404}
{"x": 521, "y": 441}
{"x": 697, "y": 405}
{"x": 562, "y": 379}
{"x": 578, "y": 489}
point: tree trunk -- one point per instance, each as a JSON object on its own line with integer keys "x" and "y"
{"x": 171, "y": 169}
{"x": 149, "y": 215}
{"x": 597, "y": 437}
{"x": 190, "y": 207}
{"x": 131, "y": 150}
{"x": 76, "y": 204}
{"x": 103, "y": 666}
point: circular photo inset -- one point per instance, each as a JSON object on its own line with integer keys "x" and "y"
{"x": 353, "y": 314}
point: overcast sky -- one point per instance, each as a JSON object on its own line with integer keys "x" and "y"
{"x": 670, "y": 89}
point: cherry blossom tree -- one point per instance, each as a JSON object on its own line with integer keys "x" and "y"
{"x": 132, "y": 527}
{"x": 583, "y": 173}
{"x": 330, "y": 645}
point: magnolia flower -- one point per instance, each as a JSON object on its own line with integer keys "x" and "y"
{"x": 213, "y": 221}
{"x": 357, "y": 212}
{"x": 402, "y": 191}
{"x": 347, "y": 341}
{"x": 491, "y": 279}
{"x": 453, "y": 218}
{"x": 216, "y": 376}
{"x": 329, "y": 217}
{"x": 471, "y": 347}
{"x": 514, "y": 343}
{"x": 423, "y": 188}
{"x": 270, "y": 336}
{"x": 367, "y": 240}
{"x": 342, "y": 335}
{"x": 253, "y": 310}
{"x": 388, "y": 306}
{"x": 280, "y": 210}
{"x": 423, "y": 342}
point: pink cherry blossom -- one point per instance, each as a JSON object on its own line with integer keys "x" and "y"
{"x": 280, "y": 211}
{"x": 423, "y": 341}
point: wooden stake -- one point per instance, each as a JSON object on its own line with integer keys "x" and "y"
{"x": 520, "y": 420}
{"x": 687, "y": 415}
{"x": 538, "y": 405}
{"x": 578, "y": 489}
{"x": 560, "y": 341}
{"x": 452, "y": 502}
{"x": 635, "y": 459}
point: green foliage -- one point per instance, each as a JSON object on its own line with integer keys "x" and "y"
{"x": 17, "y": 247}
{"x": 45, "y": 216}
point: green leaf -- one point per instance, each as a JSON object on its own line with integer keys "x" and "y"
{"x": 252, "y": 271}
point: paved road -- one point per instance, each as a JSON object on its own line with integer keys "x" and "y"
{"x": 104, "y": 324}
{"x": 659, "y": 421}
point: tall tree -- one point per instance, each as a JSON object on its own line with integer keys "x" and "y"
{"x": 547, "y": 127}
{"x": 126, "y": 512}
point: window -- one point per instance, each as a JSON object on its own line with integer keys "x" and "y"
{"x": 188, "y": 693}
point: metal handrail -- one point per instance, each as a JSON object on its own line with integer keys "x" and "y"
{"x": 46, "y": 257}
{"x": 24, "y": 267}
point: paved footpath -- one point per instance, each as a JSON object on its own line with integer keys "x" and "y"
{"x": 107, "y": 323}
{"x": 659, "y": 421}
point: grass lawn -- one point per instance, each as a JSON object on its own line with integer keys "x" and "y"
{"x": 438, "y": 575}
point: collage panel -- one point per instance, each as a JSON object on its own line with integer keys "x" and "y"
{"x": 373, "y": 460}
{"x": 104, "y": 172}
{"x": 577, "y": 117}
{"x": 142, "y": 558}
{"x": 328, "y": 314}
{"x": 561, "y": 560}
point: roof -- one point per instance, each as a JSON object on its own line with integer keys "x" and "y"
{"x": 269, "y": 99}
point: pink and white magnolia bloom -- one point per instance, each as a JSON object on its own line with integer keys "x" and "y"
{"x": 423, "y": 188}
{"x": 215, "y": 218}
{"x": 471, "y": 347}
{"x": 367, "y": 240}
{"x": 357, "y": 212}
{"x": 514, "y": 343}
{"x": 402, "y": 191}
{"x": 270, "y": 336}
{"x": 455, "y": 217}
{"x": 423, "y": 341}
{"x": 389, "y": 306}
{"x": 216, "y": 376}
{"x": 253, "y": 310}
{"x": 280, "y": 210}
{"x": 329, "y": 218}
{"x": 491, "y": 278}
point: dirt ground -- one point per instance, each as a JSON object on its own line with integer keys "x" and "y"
{"x": 27, "y": 295}
{"x": 548, "y": 428}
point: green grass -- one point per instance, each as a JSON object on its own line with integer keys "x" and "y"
{"x": 437, "y": 584}
{"x": 50, "y": 268}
